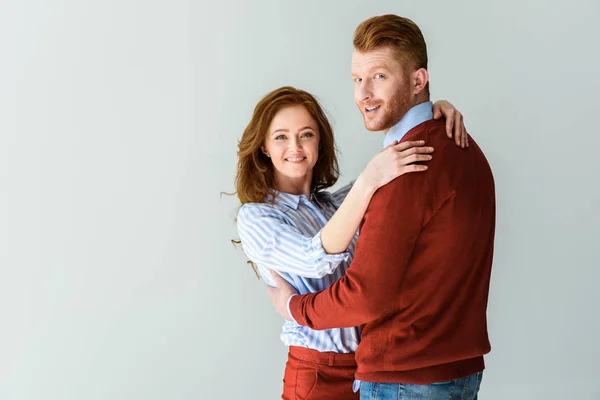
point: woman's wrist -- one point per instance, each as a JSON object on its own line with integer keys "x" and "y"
{"x": 364, "y": 186}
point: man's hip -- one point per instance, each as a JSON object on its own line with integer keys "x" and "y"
{"x": 464, "y": 389}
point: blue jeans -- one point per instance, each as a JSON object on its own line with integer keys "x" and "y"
{"x": 459, "y": 389}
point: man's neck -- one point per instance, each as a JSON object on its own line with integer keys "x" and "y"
{"x": 414, "y": 116}
{"x": 421, "y": 98}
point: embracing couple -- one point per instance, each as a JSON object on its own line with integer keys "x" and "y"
{"x": 384, "y": 283}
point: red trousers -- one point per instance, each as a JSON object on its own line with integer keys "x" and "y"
{"x": 313, "y": 375}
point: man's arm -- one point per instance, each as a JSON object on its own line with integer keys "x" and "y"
{"x": 387, "y": 238}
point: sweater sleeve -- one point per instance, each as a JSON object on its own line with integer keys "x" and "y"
{"x": 391, "y": 228}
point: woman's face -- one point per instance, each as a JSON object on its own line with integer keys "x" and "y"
{"x": 292, "y": 143}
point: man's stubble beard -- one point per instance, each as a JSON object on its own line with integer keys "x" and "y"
{"x": 400, "y": 103}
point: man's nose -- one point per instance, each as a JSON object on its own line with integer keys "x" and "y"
{"x": 364, "y": 91}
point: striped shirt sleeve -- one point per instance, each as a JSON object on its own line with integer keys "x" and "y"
{"x": 271, "y": 242}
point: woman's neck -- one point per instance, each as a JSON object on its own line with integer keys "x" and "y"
{"x": 296, "y": 186}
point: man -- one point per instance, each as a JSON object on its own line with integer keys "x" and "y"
{"x": 419, "y": 281}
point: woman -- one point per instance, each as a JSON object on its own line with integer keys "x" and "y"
{"x": 289, "y": 224}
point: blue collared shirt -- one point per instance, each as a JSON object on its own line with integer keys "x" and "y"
{"x": 413, "y": 117}
{"x": 286, "y": 237}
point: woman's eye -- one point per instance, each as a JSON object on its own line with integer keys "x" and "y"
{"x": 307, "y": 134}
{"x": 280, "y": 137}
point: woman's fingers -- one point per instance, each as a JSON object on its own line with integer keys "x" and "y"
{"x": 413, "y": 158}
{"x": 416, "y": 150}
{"x": 414, "y": 168}
{"x": 407, "y": 145}
{"x": 450, "y": 124}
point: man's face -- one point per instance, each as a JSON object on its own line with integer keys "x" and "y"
{"x": 382, "y": 88}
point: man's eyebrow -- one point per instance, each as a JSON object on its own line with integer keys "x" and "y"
{"x": 376, "y": 67}
{"x": 379, "y": 66}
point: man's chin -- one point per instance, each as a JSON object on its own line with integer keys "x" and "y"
{"x": 374, "y": 126}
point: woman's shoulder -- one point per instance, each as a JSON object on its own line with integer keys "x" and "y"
{"x": 336, "y": 197}
{"x": 251, "y": 211}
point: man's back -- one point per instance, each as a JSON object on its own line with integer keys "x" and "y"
{"x": 420, "y": 277}
{"x": 435, "y": 328}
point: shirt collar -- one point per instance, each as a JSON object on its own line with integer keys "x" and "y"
{"x": 416, "y": 115}
{"x": 286, "y": 199}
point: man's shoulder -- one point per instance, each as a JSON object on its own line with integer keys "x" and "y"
{"x": 424, "y": 129}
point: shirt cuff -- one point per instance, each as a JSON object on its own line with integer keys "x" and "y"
{"x": 288, "y": 308}
{"x": 318, "y": 253}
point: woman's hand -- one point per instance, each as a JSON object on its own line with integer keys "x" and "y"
{"x": 455, "y": 125}
{"x": 395, "y": 160}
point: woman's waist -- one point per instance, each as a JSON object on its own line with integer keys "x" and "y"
{"x": 340, "y": 340}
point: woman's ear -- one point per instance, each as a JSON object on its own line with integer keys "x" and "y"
{"x": 264, "y": 150}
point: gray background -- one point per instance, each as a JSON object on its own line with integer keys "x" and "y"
{"x": 119, "y": 122}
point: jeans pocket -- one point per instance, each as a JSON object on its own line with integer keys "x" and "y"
{"x": 432, "y": 391}
{"x": 306, "y": 381}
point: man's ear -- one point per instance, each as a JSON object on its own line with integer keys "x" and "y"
{"x": 420, "y": 78}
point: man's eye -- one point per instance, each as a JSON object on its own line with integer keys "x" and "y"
{"x": 357, "y": 80}
{"x": 379, "y": 76}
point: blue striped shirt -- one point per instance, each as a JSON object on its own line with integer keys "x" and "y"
{"x": 286, "y": 237}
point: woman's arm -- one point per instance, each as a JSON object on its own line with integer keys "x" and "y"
{"x": 388, "y": 164}
{"x": 455, "y": 125}
{"x": 340, "y": 229}
{"x": 272, "y": 242}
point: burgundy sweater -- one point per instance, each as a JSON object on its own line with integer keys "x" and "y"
{"x": 420, "y": 278}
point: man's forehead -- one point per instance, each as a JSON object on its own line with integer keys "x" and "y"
{"x": 381, "y": 57}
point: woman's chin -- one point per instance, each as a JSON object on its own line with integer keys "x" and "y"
{"x": 296, "y": 173}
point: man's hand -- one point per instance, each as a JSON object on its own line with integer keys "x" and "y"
{"x": 455, "y": 125}
{"x": 281, "y": 295}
